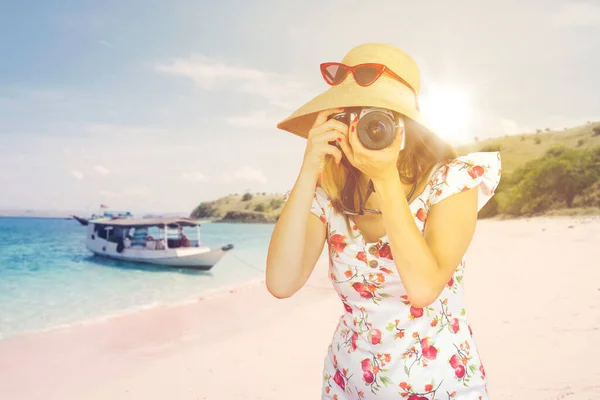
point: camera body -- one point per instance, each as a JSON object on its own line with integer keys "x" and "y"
{"x": 376, "y": 128}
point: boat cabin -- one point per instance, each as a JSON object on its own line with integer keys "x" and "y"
{"x": 148, "y": 234}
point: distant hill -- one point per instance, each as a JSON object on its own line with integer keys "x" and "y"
{"x": 543, "y": 172}
{"x": 516, "y": 150}
{"x": 257, "y": 208}
{"x": 546, "y": 172}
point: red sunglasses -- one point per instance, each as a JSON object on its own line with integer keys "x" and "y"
{"x": 364, "y": 74}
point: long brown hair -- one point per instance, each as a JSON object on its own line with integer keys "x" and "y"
{"x": 422, "y": 151}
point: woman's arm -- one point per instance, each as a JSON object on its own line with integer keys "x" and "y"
{"x": 426, "y": 262}
{"x": 297, "y": 241}
{"x": 299, "y": 234}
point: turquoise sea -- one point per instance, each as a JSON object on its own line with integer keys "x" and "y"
{"x": 48, "y": 278}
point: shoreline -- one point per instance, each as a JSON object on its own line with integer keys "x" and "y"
{"x": 202, "y": 296}
{"x": 244, "y": 343}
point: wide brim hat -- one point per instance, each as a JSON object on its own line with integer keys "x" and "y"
{"x": 386, "y": 92}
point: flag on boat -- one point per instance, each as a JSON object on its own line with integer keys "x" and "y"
{"x": 103, "y": 206}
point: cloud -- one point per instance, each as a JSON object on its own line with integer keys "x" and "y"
{"x": 250, "y": 174}
{"x": 576, "y": 14}
{"x": 255, "y": 120}
{"x": 194, "y": 176}
{"x": 102, "y": 170}
{"x": 210, "y": 74}
{"x": 77, "y": 174}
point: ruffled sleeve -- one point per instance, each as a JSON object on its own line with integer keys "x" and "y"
{"x": 321, "y": 205}
{"x": 481, "y": 169}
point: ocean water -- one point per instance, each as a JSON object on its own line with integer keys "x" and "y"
{"x": 48, "y": 278}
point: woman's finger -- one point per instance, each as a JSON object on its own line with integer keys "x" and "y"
{"x": 329, "y": 136}
{"x": 322, "y": 116}
{"x": 357, "y": 147}
{"x": 332, "y": 124}
{"x": 334, "y": 152}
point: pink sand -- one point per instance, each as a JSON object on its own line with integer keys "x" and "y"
{"x": 533, "y": 295}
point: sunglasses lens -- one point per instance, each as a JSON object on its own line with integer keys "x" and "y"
{"x": 366, "y": 74}
{"x": 334, "y": 73}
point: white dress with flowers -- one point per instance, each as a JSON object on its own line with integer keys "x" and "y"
{"x": 383, "y": 347}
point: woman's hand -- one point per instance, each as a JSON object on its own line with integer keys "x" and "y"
{"x": 318, "y": 146}
{"x": 378, "y": 165}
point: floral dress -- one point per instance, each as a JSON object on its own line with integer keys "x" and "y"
{"x": 384, "y": 347}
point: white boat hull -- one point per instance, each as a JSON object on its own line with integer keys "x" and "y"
{"x": 201, "y": 258}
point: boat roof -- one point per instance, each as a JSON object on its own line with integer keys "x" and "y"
{"x": 132, "y": 222}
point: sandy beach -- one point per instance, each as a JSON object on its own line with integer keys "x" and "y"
{"x": 533, "y": 295}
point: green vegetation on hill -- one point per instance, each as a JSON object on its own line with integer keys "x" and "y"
{"x": 546, "y": 172}
{"x": 258, "y": 207}
{"x": 516, "y": 150}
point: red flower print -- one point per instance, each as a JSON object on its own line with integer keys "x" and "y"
{"x": 362, "y": 256}
{"x": 348, "y": 273}
{"x": 353, "y": 340}
{"x": 348, "y": 308}
{"x": 429, "y": 352}
{"x": 338, "y": 242}
{"x": 383, "y": 269}
{"x": 482, "y": 370}
{"x": 359, "y": 287}
{"x": 421, "y": 214}
{"x": 375, "y": 336}
{"x": 403, "y": 385}
{"x": 366, "y": 364}
{"x": 459, "y": 371}
{"x": 451, "y": 282}
{"x": 369, "y": 377}
{"x": 476, "y": 171}
{"x": 428, "y": 388}
{"x": 385, "y": 251}
{"x": 454, "y": 325}
{"x": 416, "y": 312}
{"x": 339, "y": 379}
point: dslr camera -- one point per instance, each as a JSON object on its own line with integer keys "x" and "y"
{"x": 376, "y": 128}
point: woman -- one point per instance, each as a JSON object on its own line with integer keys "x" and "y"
{"x": 398, "y": 218}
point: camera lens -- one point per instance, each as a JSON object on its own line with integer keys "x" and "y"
{"x": 376, "y": 131}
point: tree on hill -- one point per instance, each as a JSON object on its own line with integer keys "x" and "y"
{"x": 204, "y": 210}
{"x": 247, "y": 197}
{"x": 554, "y": 179}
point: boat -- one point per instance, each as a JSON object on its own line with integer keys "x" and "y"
{"x": 130, "y": 239}
{"x": 85, "y": 221}
{"x": 82, "y": 221}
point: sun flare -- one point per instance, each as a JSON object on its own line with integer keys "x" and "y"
{"x": 448, "y": 111}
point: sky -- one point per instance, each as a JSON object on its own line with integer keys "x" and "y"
{"x": 156, "y": 106}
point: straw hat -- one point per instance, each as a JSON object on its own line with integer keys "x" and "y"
{"x": 386, "y": 92}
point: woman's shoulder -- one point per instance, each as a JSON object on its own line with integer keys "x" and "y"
{"x": 478, "y": 169}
